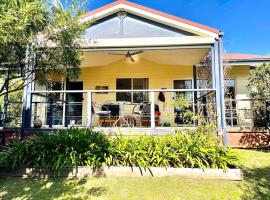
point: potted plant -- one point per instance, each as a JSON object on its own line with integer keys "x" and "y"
{"x": 37, "y": 123}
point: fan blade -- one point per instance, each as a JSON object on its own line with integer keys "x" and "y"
{"x": 132, "y": 59}
{"x": 117, "y": 54}
{"x": 135, "y": 53}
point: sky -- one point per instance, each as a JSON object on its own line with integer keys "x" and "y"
{"x": 245, "y": 23}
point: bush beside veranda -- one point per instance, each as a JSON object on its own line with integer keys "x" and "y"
{"x": 84, "y": 147}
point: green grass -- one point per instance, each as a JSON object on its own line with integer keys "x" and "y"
{"x": 256, "y": 185}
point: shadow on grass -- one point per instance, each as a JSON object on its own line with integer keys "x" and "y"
{"x": 13, "y": 188}
{"x": 96, "y": 191}
{"x": 256, "y": 184}
{"x": 255, "y": 139}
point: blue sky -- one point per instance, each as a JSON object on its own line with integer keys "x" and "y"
{"x": 246, "y": 23}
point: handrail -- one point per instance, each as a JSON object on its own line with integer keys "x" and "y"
{"x": 235, "y": 100}
{"x": 114, "y": 91}
{"x": 208, "y": 93}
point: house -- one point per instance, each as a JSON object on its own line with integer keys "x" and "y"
{"x": 237, "y": 93}
{"x": 137, "y": 63}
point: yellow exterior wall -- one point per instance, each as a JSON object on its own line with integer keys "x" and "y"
{"x": 160, "y": 76}
{"x": 241, "y": 75}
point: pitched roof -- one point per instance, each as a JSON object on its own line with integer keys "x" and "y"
{"x": 150, "y": 10}
{"x": 240, "y": 57}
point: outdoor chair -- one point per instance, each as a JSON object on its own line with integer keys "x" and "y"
{"x": 145, "y": 115}
{"x": 108, "y": 114}
{"x": 102, "y": 112}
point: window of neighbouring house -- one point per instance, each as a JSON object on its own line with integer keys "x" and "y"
{"x": 230, "y": 103}
{"x": 229, "y": 89}
{"x": 132, "y": 84}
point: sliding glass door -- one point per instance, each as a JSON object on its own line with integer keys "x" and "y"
{"x": 64, "y": 109}
{"x": 55, "y": 104}
{"x": 74, "y": 104}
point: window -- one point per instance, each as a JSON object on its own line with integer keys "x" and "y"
{"x": 123, "y": 84}
{"x": 230, "y": 103}
{"x": 132, "y": 84}
{"x": 229, "y": 89}
{"x": 183, "y": 84}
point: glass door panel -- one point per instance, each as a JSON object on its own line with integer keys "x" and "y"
{"x": 74, "y": 104}
{"x": 55, "y": 104}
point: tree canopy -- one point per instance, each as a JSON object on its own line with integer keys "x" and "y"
{"x": 50, "y": 34}
{"x": 259, "y": 82}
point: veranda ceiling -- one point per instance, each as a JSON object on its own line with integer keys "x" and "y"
{"x": 181, "y": 57}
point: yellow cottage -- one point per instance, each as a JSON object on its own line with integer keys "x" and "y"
{"x": 137, "y": 63}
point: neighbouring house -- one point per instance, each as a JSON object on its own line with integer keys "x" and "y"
{"x": 137, "y": 63}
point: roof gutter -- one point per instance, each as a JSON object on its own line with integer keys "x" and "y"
{"x": 251, "y": 60}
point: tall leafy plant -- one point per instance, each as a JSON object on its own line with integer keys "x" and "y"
{"x": 84, "y": 147}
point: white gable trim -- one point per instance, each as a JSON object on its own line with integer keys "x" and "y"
{"x": 141, "y": 42}
{"x": 151, "y": 16}
{"x": 103, "y": 13}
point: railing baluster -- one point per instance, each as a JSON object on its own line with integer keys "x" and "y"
{"x": 232, "y": 114}
{"x": 153, "y": 124}
{"x": 89, "y": 109}
{"x": 64, "y": 111}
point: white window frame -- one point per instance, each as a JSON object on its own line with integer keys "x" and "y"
{"x": 132, "y": 85}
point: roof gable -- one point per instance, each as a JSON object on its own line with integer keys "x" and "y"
{"x": 150, "y": 14}
{"x": 245, "y": 59}
{"x": 126, "y": 25}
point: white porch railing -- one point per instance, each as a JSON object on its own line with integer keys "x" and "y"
{"x": 167, "y": 114}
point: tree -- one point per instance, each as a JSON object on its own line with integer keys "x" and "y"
{"x": 259, "y": 82}
{"x": 259, "y": 85}
{"x": 14, "y": 109}
{"x": 50, "y": 34}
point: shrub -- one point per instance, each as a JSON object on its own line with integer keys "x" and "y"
{"x": 66, "y": 148}
{"x": 2, "y": 157}
{"x": 84, "y": 147}
{"x": 191, "y": 149}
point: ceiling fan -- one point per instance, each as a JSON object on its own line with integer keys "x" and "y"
{"x": 127, "y": 55}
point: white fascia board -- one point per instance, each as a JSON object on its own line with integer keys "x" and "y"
{"x": 141, "y": 42}
{"x": 151, "y": 16}
{"x": 103, "y": 13}
{"x": 167, "y": 21}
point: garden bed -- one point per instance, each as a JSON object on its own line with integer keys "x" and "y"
{"x": 194, "y": 153}
{"x": 86, "y": 172}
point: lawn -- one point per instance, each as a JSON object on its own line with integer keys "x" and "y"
{"x": 256, "y": 185}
